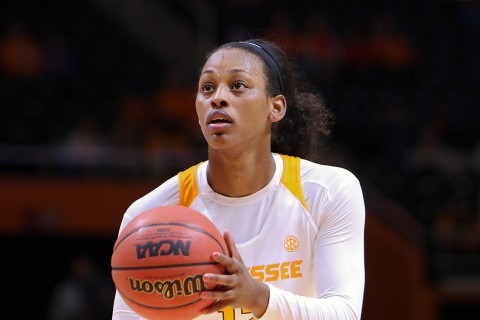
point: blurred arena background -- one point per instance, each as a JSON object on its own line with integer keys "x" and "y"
{"x": 97, "y": 108}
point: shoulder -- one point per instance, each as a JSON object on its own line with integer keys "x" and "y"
{"x": 165, "y": 194}
{"x": 331, "y": 193}
{"x": 327, "y": 176}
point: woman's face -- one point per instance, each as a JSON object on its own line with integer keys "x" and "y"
{"x": 232, "y": 104}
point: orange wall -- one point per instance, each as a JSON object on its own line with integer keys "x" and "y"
{"x": 397, "y": 279}
{"x": 64, "y": 206}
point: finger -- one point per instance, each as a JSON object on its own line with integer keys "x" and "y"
{"x": 217, "y": 295}
{"x": 219, "y": 279}
{"x": 229, "y": 263}
{"x": 219, "y": 304}
{"x": 227, "y": 236}
{"x": 232, "y": 248}
{"x": 215, "y": 307}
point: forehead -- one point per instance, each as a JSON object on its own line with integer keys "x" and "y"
{"x": 234, "y": 58}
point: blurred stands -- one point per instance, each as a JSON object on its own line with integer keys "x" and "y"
{"x": 92, "y": 92}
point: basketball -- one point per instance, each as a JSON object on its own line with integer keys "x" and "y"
{"x": 159, "y": 259}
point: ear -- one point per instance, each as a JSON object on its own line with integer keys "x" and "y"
{"x": 278, "y": 108}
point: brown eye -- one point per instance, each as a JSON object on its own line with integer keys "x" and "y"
{"x": 207, "y": 87}
{"x": 239, "y": 85}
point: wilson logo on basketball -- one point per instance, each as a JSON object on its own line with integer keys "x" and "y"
{"x": 163, "y": 248}
{"x": 169, "y": 288}
{"x": 291, "y": 243}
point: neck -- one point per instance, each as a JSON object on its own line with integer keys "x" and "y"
{"x": 239, "y": 175}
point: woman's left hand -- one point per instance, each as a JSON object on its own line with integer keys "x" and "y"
{"x": 237, "y": 289}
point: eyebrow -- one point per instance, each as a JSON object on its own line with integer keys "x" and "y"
{"x": 233, "y": 70}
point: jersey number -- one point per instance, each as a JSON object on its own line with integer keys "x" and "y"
{"x": 236, "y": 314}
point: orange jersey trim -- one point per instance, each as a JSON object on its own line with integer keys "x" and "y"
{"x": 187, "y": 184}
{"x": 290, "y": 178}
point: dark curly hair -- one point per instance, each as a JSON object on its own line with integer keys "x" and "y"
{"x": 307, "y": 122}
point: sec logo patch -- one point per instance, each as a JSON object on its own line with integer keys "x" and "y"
{"x": 291, "y": 243}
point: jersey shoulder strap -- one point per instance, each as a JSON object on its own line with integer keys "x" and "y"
{"x": 291, "y": 177}
{"x": 187, "y": 186}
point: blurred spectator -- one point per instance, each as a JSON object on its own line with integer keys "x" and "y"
{"x": 357, "y": 49}
{"x": 85, "y": 294}
{"x": 431, "y": 150}
{"x": 132, "y": 121}
{"x": 434, "y": 165}
{"x": 175, "y": 101}
{"x": 319, "y": 49}
{"x": 21, "y": 54}
{"x": 391, "y": 48}
{"x": 282, "y": 30}
{"x": 42, "y": 220}
{"x": 84, "y": 145}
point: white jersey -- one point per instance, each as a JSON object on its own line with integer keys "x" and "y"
{"x": 302, "y": 234}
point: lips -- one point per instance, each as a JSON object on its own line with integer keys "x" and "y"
{"x": 218, "y": 117}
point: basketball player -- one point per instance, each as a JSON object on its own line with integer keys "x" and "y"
{"x": 295, "y": 228}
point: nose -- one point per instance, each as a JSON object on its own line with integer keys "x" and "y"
{"x": 219, "y": 100}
